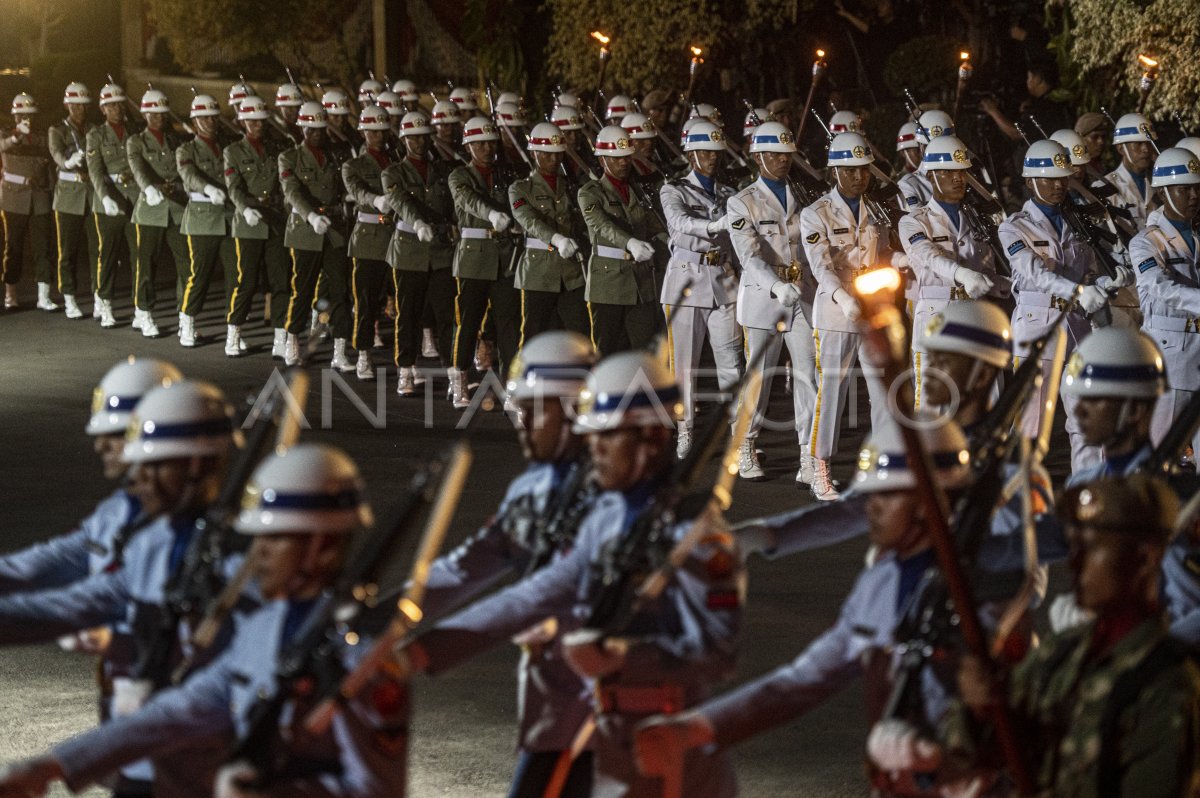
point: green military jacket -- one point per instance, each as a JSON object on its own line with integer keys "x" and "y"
{"x": 311, "y": 186}
{"x": 486, "y": 258}
{"x": 72, "y": 192}
{"x": 420, "y": 199}
{"x": 108, "y": 168}
{"x": 26, "y": 187}
{"x": 363, "y": 178}
{"x": 544, "y": 211}
{"x": 252, "y": 181}
{"x": 612, "y": 222}
{"x": 200, "y": 164}
{"x": 153, "y": 164}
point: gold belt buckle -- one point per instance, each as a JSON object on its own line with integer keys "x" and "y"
{"x": 712, "y": 257}
{"x": 793, "y": 271}
{"x": 957, "y": 294}
{"x": 1058, "y": 303}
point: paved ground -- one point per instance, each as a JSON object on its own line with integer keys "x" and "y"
{"x": 463, "y": 729}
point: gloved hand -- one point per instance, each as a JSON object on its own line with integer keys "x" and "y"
{"x": 845, "y": 302}
{"x": 154, "y": 197}
{"x": 895, "y": 744}
{"x": 592, "y": 656}
{"x": 129, "y": 695}
{"x": 30, "y": 777}
{"x": 215, "y": 194}
{"x": 753, "y": 538}
{"x": 565, "y": 246}
{"x": 23, "y": 127}
{"x": 1066, "y": 614}
{"x": 74, "y": 161}
{"x": 1124, "y": 277}
{"x": 640, "y": 250}
{"x": 786, "y": 293}
{"x": 1092, "y": 298}
{"x": 500, "y": 221}
{"x": 899, "y": 260}
{"x": 232, "y": 780}
{"x": 424, "y": 232}
{"x": 716, "y": 226}
{"x": 111, "y": 208}
{"x": 381, "y": 203}
{"x": 974, "y": 283}
{"x": 319, "y": 223}
{"x": 252, "y": 216}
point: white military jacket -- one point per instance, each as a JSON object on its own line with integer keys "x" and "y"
{"x": 706, "y": 260}
{"x": 839, "y": 247}
{"x": 1128, "y": 197}
{"x": 1168, "y": 282}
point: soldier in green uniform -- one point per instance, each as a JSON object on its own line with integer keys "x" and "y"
{"x": 25, "y": 204}
{"x": 621, "y": 294}
{"x": 550, "y": 274}
{"x": 252, "y": 181}
{"x": 363, "y": 177}
{"x": 483, "y": 259}
{"x": 204, "y": 219}
{"x": 116, "y": 192}
{"x": 288, "y": 100}
{"x": 159, "y": 209}
{"x": 316, "y": 235}
{"x": 421, "y": 250}
{"x": 447, "y": 126}
{"x": 72, "y": 196}
{"x": 1112, "y": 707}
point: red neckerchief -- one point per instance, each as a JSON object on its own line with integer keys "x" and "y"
{"x": 318, "y": 154}
{"x": 212, "y": 144}
{"x": 256, "y": 144}
{"x": 622, "y": 187}
{"x": 119, "y": 129}
{"x": 1111, "y": 629}
{"x": 551, "y": 180}
{"x": 158, "y": 136}
{"x": 422, "y": 167}
{"x": 381, "y": 158}
{"x": 486, "y": 173}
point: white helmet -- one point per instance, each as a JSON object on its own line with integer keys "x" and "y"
{"x": 973, "y": 328}
{"x": 406, "y": 89}
{"x": 1190, "y": 143}
{"x": 845, "y": 122}
{"x": 567, "y": 98}
{"x": 906, "y": 139}
{"x": 1175, "y": 166}
{"x": 508, "y": 97}
{"x": 551, "y": 364}
{"x": 850, "y": 149}
{"x": 1115, "y": 362}
{"x": 510, "y": 115}
{"x": 748, "y": 126}
{"x": 204, "y": 105}
{"x": 253, "y": 107}
{"x": 1073, "y": 143}
{"x": 884, "y": 464}
{"x": 566, "y": 117}
{"x": 932, "y": 124}
{"x": 182, "y": 419}
{"x": 946, "y": 152}
{"x": 122, "y": 388}
{"x": 445, "y": 113}
{"x": 628, "y": 389}
{"x": 687, "y": 126}
{"x": 464, "y": 98}
{"x": 613, "y": 141}
{"x": 1046, "y": 158}
{"x": 23, "y": 104}
{"x": 617, "y": 107}
{"x": 546, "y": 137}
{"x": 638, "y": 126}
{"x": 77, "y": 94}
{"x": 704, "y": 136}
{"x": 336, "y": 103}
{"x": 391, "y": 102}
{"x": 111, "y": 93}
{"x": 415, "y": 123}
{"x": 706, "y": 111}
{"x": 479, "y": 128}
{"x": 238, "y": 92}
{"x": 372, "y": 117}
{"x": 1133, "y": 127}
{"x": 312, "y": 114}
{"x": 310, "y": 487}
{"x": 154, "y": 102}
{"x": 288, "y": 94}
{"x": 772, "y": 137}
{"x": 369, "y": 89}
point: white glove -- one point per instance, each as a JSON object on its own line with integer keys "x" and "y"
{"x": 1092, "y": 298}
{"x": 786, "y": 293}
{"x": 640, "y": 250}
{"x": 231, "y": 778}
{"x": 846, "y": 303}
{"x": 716, "y": 226}
{"x": 499, "y": 221}
{"x": 252, "y": 216}
{"x": 1124, "y": 277}
{"x": 899, "y": 260}
{"x": 154, "y": 197}
{"x": 319, "y": 223}
{"x": 424, "y": 232}
{"x": 565, "y": 246}
{"x": 23, "y": 127}
{"x": 215, "y": 194}
{"x": 894, "y": 744}
{"x": 1066, "y": 614}
{"x": 129, "y": 695}
{"x": 974, "y": 283}
{"x": 74, "y": 161}
{"x": 381, "y": 203}
{"x": 754, "y": 538}
{"x": 111, "y": 208}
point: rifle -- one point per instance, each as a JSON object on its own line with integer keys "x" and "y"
{"x": 559, "y": 523}
{"x": 1165, "y": 455}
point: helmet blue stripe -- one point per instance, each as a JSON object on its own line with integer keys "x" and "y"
{"x": 1166, "y": 171}
{"x": 899, "y": 460}
{"x": 151, "y": 431}
{"x": 1035, "y": 163}
{"x": 1093, "y": 371}
{"x": 342, "y": 500}
{"x": 606, "y": 403}
{"x": 986, "y": 337}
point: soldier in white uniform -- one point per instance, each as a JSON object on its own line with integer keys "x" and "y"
{"x": 914, "y": 185}
{"x": 910, "y": 151}
{"x": 775, "y": 296}
{"x": 1134, "y": 137}
{"x": 702, "y": 263}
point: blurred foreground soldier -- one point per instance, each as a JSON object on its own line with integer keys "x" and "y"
{"x": 700, "y": 288}
{"x": 1134, "y": 138}
{"x": 72, "y": 195}
{"x": 1111, "y": 707}
{"x": 116, "y": 192}
{"x": 288, "y": 100}
{"x": 297, "y": 553}
{"x": 25, "y": 204}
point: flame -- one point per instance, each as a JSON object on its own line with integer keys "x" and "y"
{"x": 1147, "y": 61}
{"x": 876, "y": 280}
{"x": 696, "y": 51}
{"x": 964, "y": 55}
{"x": 820, "y": 53}
{"x": 600, "y": 37}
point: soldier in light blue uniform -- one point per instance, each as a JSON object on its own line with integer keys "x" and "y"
{"x": 304, "y": 507}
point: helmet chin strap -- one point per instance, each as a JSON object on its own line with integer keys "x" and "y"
{"x": 1038, "y": 193}
{"x": 1181, "y": 213}
{"x": 762, "y": 164}
{"x": 1121, "y": 429}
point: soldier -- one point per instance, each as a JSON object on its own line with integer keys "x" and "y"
{"x": 550, "y": 274}
{"x": 840, "y": 242}
{"x": 391, "y": 102}
{"x": 775, "y": 292}
{"x": 483, "y": 258}
{"x": 569, "y": 121}
{"x": 369, "y": 90}
{"x": 159, "y": 209}
{"x": 342, "y": 137}
{"x": 421, "y": 249}
{"x": 510, "y": 117}
{"x": 784, "y": 112}
{"x": 408, "y": 94}
{"x": 288, "y": 100}
{"x": 363, "y": 178}
{"x": 25, "y": 204}
{"x": 616, "y": 109}
{"x": 700, "y": 289}
{"x": 642, "y": 135}
{"x": 621, "y": 292}
{"x": 447, "y": 125}
{"x": 845, "y": 122}
{"x": 1134, "y": 137}
{"x": 464, "y": 99}
{"x": 656, "y": 105}
{"x": 71, "y": 194}
{"x": 116, "y": 192}
{"x": 1095, "y": 129}
{"x": 315, "y": 234}
{"x": 914, "y": 187}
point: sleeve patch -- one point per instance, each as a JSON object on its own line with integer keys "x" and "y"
{"x": 813, "y": 238}
{"x": 518, "y": 204}
{"x": 286, "y": 173}
{"x": 1146, "y": 265}
{"x": 738, "y": 224}
{"x": 230, "y": 171}
{"x": 1015, "y": 247}
{"x": 910, "y": 200}
{"x": 590, "y": 208}
{"x": 915, "y": 237}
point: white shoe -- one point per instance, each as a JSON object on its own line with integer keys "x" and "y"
{"x": 149, "y": 328}
{"x": 232, "y": 338}
{"x": 339, "y": 360}
{"x": 683, "y": 442}
{"x": 44, "y": 301}
{"x": 187, "y": 330}
{"x": 107, "y": 320}
{"x": 821, "y": 484}
{"x": 291, "y": 350}
{"x": 805, "y": 475}
{"x": 365, "y": 369}
{"x": 418, "y": 376}
{"x": 404, "y": 384}
{"x": 748, "y": 467}
{"x": 137, "y": 319}
{"x": 10, "y": 298}
{"x": 428, "y": 345}
{"x": 73, "y": 311}
{"x": 242, "y": 347}
{"x": 279, "y": 344}
{"x": 96, "y": 302}
{"x": 459, "y": 393}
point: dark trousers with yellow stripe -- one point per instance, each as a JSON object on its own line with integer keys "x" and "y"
{"x": 497, "y": 299}
{"x": 116, "y": 238}
{"x": 204, "y": 253}
{"x": 331, "y": 265}
{"x": 150, "y": 253}
{"x": 617, "y": 328}
{"x": 259, "y": 262}
{"x": 367, "y": 278}
{"x": 24, "y": 231}
{"x": 76, "y": 239}
{"x": 552, "y": 310}
{"x": 416, "y": 291}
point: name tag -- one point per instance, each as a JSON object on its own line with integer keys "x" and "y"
{"x": 765, "y": 222}
{"x": 1041, "y": 243}
{"x": 939, "y": 239}
{"x": 841, "y": 230}
{"x": 1177, "y": 260}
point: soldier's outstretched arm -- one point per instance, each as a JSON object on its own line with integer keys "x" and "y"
{"x": 812, "y": 526}
{"x": 1025, "y": 262}
{"x": 54, "y": 563}
{"x": 235, "y": 183}
{"x": 527, "y": 215}
{"x": 600, "y": 223}
{"x": 193, "y": 178}
{"x": 45, "y": 615}
{"x": 468, "y": 196}
{"x": 294, "y": 192}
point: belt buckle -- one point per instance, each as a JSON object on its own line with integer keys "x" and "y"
{"x": 712, "y": 257}
{"x": 1058, "y": 303}
{"x": 793, "y": 271}
{"x": 627, "y": 255}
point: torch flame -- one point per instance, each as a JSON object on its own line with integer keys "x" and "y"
{"x": 600, "y": 37}
{"x": 876, "y": 280}
{"x": 964, "y": 55}
{"x": 696, "y": 51}
{"x": 820, "y": 53}
{"x": 1147, "y": 61}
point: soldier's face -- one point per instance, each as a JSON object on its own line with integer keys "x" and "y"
{"x": 657, "y": 115}
{"x": 76, "y": 112}
{"x": 1098, "y": 418}
{"x": 1105, "y": 568}
{"x": 616, "y": 167}
{"x": 623, "y": 457}
{"x": 109, "y": 447}
{"x": 893, "y": 523}
{"x": 160, "y": 485}
{"x": 448, "y": 132}
{"x": 547, "y": 162}
{"x": 1047, "y": 190}
{"x": 1096, "y": 141}
{"x": 1137, "y": 155}
{"x": 949, "y": 185}
{"x": 774, "y": 165}
{"x": 912, "y": 158}
{"x": 705, "y": 161}
{"x": 643, "y": 147}
{"x": 572, "y": 137}
{"x": 155, "y": 121}
{"x": 114, "y": 113}
{"x": 254, "y": 128}
{"x": 337, "y": 120}
{"x": 544, "y": 429}
{"x": 314, "y": 136}
{"x": 418, "y": 146}
{"x": 205, "y": 125}
{"x": 482, "y": 152}
{"x": 289, "y": 113}
{"x": 852, "y": 181}
{"x": 1182, "y": 202}
{"x": 374, "y": 138}
{"x": 784, "y": 118}
{"x": 292, "y": 565}
{"x": 946, "y": 374}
